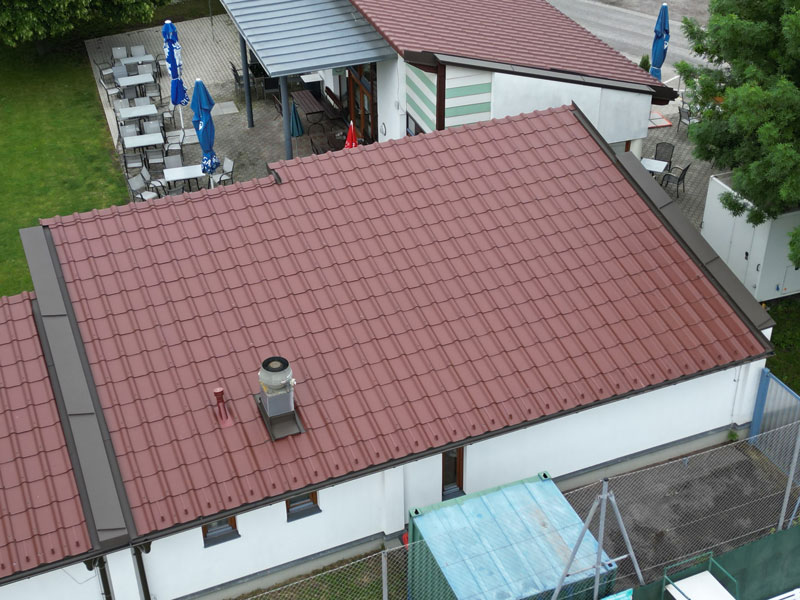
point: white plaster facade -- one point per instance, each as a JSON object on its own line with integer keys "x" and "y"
{"x": 74, "y": 581}
{"x": 757, "y": 255}
{"x": 618, "y": 115}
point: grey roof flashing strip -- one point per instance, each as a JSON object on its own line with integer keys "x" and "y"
{"x": 669, "y": 213}
{"x": 554, "y": 75}
{"x": 96, "y": 470}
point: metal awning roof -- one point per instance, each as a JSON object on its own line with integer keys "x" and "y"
{"x": 298, "y": 36}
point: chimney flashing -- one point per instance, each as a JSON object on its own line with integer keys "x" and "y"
{"x": 280, "y": 426}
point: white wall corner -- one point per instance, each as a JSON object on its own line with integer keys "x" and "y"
{"x": 123, "y": 575}
{"x": 393, "y": 500}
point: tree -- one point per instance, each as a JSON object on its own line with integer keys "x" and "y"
{"x": 749, "y": 104}
{"x": 26, "y": 20}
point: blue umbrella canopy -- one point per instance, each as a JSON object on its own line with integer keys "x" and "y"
{"x": 660, "y": 42}
{"x": 202, "y": 103}
{"x": 172, "y": 54}
{"x": 296, "y": 128}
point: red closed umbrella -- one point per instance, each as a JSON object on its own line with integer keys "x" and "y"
{"x": 351, "y": 141}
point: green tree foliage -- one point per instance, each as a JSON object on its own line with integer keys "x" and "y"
{"x": 749, "y": 103}
{"x": 27, "y": 20}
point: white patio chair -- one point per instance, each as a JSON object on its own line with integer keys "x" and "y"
{"x": 173, "y": 161}
{"x": 111, "y": 91}
{"x": 119, "y": 53}
{"x": 226, "y": 176}
{"x": 138, "y": 51}
{"x": 138, "y": 188}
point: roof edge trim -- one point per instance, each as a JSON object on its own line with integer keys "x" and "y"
{"x": 97, "y": 472}
{"x": 667, "y": 211}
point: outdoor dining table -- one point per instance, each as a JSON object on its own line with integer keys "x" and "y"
{"x": 137, "y": 60}
{"x": 135, "y": 112}
{"x": 142, "y": 141}
{"x": 185, "y": 173}
{"x": 135, "y": 80}
{"x": 653, "y": 165}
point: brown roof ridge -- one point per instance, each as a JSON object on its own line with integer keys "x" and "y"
{"x": 670, "y": 214}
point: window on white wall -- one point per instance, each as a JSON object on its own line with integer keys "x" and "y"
{"x": 452, "y": 473}
{"x": 302, "y": 506}
{"x": 220, "y": 531}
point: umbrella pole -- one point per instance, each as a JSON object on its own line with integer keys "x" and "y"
{"x": 180, "y": 112}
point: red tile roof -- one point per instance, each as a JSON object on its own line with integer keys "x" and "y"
{"x": 425, "y": 290}
{"x": 530, "y": 33}
{"x": 40, "y": 510}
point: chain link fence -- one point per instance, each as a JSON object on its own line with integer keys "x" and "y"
{"x": 715, "y": 501}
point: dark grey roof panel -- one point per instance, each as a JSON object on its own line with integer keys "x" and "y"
{"x": 298, "y": 36}
{"x": 42, "y": 271}
{"x": 97, "y": 472}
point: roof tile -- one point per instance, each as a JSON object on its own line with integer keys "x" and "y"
{"x": 413, "y": 318}
{"x": 42, "y": 516}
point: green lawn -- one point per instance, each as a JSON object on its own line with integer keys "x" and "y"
{"x": 56, "y": 149}
{"x": 55, "y": 146}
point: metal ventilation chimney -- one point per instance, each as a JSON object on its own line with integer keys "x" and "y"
{"x": 275, "y": 402}
{"x": 277, "y": 386}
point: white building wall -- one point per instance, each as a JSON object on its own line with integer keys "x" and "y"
{"x": 619, "y": 116}
{"x": 758, "y": 256}
{"x": 423, "y": 482}
{"x": 75, "y": 581}
{"x": 612, "y": 431}
{"x": 123, "y": 576}
{"x": 179, "y": 564}
{"x": 391, "y": 75}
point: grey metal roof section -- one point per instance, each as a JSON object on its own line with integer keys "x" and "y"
{"x": 298, "y": 36}
{"x": 96, "y": 470}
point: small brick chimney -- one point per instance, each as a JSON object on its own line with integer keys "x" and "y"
{"x": 223, "y": 416}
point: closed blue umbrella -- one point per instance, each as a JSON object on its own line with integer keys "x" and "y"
{"x": 172, "y": 54}
{"x": 296, "y": 128}
{"x": 202, "y": 103}
{"x": 660, "y": 42}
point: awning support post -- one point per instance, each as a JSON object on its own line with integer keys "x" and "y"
{"x": 246, "y": 81}
{"x": 287, "y": 132}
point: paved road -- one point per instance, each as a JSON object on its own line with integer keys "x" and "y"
{"x": 627, "y": 26}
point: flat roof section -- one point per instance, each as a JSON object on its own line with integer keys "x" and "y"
{"x": 298, "y": 36}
